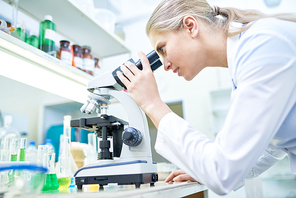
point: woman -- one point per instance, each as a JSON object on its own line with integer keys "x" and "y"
{"x": 260, "y": 53}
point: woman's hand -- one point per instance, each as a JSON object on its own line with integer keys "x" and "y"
{"x": 142, "y": 87}
{"x": 179, "y": 176}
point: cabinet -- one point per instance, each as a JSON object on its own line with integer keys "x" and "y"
{"x": 30, "y": 66}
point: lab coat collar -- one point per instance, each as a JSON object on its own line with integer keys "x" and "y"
{"x": 232, "y": 45}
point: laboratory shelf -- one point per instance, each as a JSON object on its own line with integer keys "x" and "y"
{"x": 26, "y": 64}
{"x": 76, "y": 25}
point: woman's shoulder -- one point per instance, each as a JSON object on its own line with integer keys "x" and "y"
{"x": 268, "y": 25}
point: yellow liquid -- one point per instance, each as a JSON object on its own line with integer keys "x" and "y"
{"x": 64, "y": 182}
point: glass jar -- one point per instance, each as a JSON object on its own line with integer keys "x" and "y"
{"x": 97, "y": 69}
{"x": 88, "y": 61}
{"x": 64, "y": 53}
{"x": 77, "y": 57}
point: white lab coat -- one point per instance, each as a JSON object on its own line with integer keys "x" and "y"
{"x": 260, "y": 127}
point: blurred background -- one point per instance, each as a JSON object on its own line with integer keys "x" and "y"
{"x": 37, "y": 108}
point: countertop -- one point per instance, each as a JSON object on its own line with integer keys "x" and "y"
{"x": 161, "y": 189}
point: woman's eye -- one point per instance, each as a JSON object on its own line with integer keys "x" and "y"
{"x": 161, "y": 49}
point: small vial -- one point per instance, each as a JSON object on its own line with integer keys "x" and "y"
{"x": 77, "y": 57}
{"x": 22, "y": 152}
{"x": 64, "y": 53}
{"x": 88, "y": 61}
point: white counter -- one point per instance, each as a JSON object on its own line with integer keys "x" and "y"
{"x": 160, "y": 189}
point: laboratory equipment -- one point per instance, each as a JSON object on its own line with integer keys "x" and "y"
{"x": 22, "y": 151}
{"x": 31, "y": 153}
{"x": 13, "y": 148}
{"x": 131, "y": 159}
{"x": 51, "y": 148}
{"x": 47, "y": 160}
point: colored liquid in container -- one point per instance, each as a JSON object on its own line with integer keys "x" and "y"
{"x": 22, "y": 154}
{"x": 51, "y": 182}
{"x": 64, "y": 182}
{"x": 13, "y": 158}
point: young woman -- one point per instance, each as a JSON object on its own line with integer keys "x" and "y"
{"x": 260, "y": 53}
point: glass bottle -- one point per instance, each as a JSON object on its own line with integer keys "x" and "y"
{"x": 47, "y": 33}
{"x": 64, "y": 53}
{"x": 97, "y": 69}
{"x": 88, "y": 61}
{"x": 21, "y": 31}
{"x": 77, "y": 57}
{"x": 33, "y": 39}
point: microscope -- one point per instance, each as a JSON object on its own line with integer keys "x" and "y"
{"x": 131, "y": 159}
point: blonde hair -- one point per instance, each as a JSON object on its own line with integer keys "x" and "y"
{"x": 169, "y": 14}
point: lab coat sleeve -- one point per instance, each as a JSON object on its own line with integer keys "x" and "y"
{"x": 265, "y": 78}
{"x": 269, "y": 157}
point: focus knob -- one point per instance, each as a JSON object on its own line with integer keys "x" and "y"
{"x": 131, "y": 136}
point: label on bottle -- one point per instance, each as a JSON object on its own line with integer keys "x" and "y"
{"x": 88, "y": 64}
{"x": 66, "y": 57}
{"x": 78, "y": 62}
{"x": 49, "y": 34}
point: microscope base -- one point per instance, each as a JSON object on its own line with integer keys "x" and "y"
{"x": 136, "y": 179}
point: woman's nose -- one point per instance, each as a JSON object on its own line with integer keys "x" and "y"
{"x": 167, "y": 65}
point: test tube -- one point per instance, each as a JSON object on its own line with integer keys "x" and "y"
{"x": 14, "y": 146}
{"x": 22, "y": 151}
{"x": 5, "y": 149}
{"x": 43, "y": 156}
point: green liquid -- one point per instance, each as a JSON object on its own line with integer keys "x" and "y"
{"x": 46, "y": 43}
{"x": 13, "y": 158}
{"x": 22, "y": 34}
{"x": 64, "y": 182}
{"x": 33, "y": 40}
{"x": 51, "y": 182}
{"x": 22, "y": 154}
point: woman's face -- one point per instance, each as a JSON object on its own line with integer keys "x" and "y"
{"x": 180, "y": 52}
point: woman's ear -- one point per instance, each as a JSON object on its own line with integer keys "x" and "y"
{"x": 190, "y": 25}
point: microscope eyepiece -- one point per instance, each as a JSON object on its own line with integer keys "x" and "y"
{"x": 153, "y": 59}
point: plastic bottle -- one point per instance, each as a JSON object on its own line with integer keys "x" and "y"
{"x": 97, "y": 69}
{"x": 51, "y": 148}
{"x": 33, "y": 39}
{"x": 31, "y": 153}
{"x": 77, "y": 57}
{"x": 88, "y": 61}
{"x": 47, "y": 31}
{"x": 64, "y": 53}
{"x": 31, "y": 146}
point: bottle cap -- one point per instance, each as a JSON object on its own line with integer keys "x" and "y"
{"x": 48, "y": 140}
{"x": 32, "y": 143}
{"x": 48, "y": 17}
